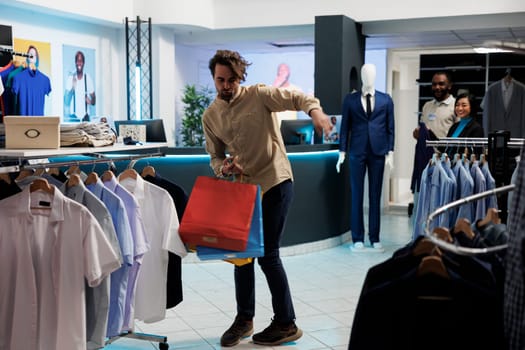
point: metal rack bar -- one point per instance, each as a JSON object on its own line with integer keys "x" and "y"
{"x": 459, "y": 249}
{"x": 162, "y": 340}
{"x": 100, "y": 158}
{"x": 471, "y": 141}
{"x": 15, "y": 53}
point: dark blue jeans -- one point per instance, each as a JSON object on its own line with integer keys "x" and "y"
{"x": 275, "y": 204}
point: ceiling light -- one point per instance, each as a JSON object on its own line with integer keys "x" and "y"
{"x": 282, "y": 44}
{"x": 489, "y": 50}
{"x": 515, "y": 47}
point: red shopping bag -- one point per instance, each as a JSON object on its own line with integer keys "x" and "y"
{"x": 218, "y": 214}
{"x": 255, "y": 246}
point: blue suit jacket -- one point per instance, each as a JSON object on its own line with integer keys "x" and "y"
{"x": 357, "y": 130}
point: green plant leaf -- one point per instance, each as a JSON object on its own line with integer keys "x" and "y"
{"x": 195, "y": 101}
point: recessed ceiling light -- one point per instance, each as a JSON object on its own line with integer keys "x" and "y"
{"x": 505, "y": 46}
{"x": 282, "y": 44}
{"x": 489, "y": 50}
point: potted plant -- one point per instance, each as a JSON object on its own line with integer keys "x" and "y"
{"x": 195, "y": 100}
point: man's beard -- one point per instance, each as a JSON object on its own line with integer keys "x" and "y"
{"x": 226, "y": 95}
{"x": 440, "y": 96}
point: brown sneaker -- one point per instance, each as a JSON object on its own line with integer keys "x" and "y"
{"x": 276, "y": 334}
{"x": 241, "y": 328}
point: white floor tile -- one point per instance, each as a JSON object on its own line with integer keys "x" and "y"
{"x": 325, "y": 286}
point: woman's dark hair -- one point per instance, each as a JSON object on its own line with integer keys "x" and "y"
{"x": 472, "y": 101}
{"x": 230, "y": 59}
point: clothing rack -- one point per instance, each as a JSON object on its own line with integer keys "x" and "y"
{"x": 501, "y": 153}
{"x": 471, "y": 141}
{"x": 98, "y": 158}
{"x": 14, "y": 53}
{"x": 14, "y": 160}
{"x": 459, "y": 249}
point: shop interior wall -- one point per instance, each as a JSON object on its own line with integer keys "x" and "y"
{"x": 165, "y": 86}
{"x": 108, "y": 43}
{"x": 175, "y": 65}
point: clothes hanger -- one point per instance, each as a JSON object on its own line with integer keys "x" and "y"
{"x": 508, "y": 75}
{"x": 41, "y": 184}
{"x": 73, "y": 169}
{"x": 434, "y": 159}
{"x": 107, "y": 175}
{"x": 443, "y": 234}
{"x": 148, "y": 170}
{"x": 74, "y": 180}
{"x": 432, "y": 264}
{"x": 482, "y": 159}
{"x": 53, "y": 171}
{"x": 464, "y": 158}
{"x": 24, "y": 173}
{"x": 5, "y": 177}
{"x": 492, "y": 216}
{"x": 457, "y": 157}
{"x": 128, "y": 173}
{"x": 463, "y": 225}
{"x": 91, "y": 178}
{"x": 425, "y": 247}
{"x": 39, "y": 172}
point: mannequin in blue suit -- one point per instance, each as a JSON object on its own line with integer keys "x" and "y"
{"x": 369, "y": 140}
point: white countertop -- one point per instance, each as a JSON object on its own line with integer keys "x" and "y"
{"x": 32, "y": 153}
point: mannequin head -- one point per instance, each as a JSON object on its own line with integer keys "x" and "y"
{"x": 368, "y": 75}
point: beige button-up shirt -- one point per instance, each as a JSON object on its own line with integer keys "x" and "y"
{"x": 439, "y": 116}
{"x": 248, "y": 128}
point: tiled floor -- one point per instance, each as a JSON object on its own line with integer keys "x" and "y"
{"x": 325, "y": 287}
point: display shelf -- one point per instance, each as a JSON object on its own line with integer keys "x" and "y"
{"x": 64, "y": 151}
{"x": 470, "y": 71}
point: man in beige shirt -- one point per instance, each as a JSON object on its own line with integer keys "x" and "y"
{"x": 242, "y": 136}
{"x": 438, "y": 113}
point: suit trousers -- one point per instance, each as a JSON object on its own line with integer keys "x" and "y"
{"x": 359, "y": 165}
{"x": 275, "y": 204}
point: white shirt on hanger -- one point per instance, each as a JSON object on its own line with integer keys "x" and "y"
{"x": 162, "y": 228}
{"x": 46, "y": 257}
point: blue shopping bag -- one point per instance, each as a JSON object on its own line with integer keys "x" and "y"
{"x": 255, "y": 245}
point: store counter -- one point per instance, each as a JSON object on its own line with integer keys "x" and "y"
{"x": 321, "y": 205}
